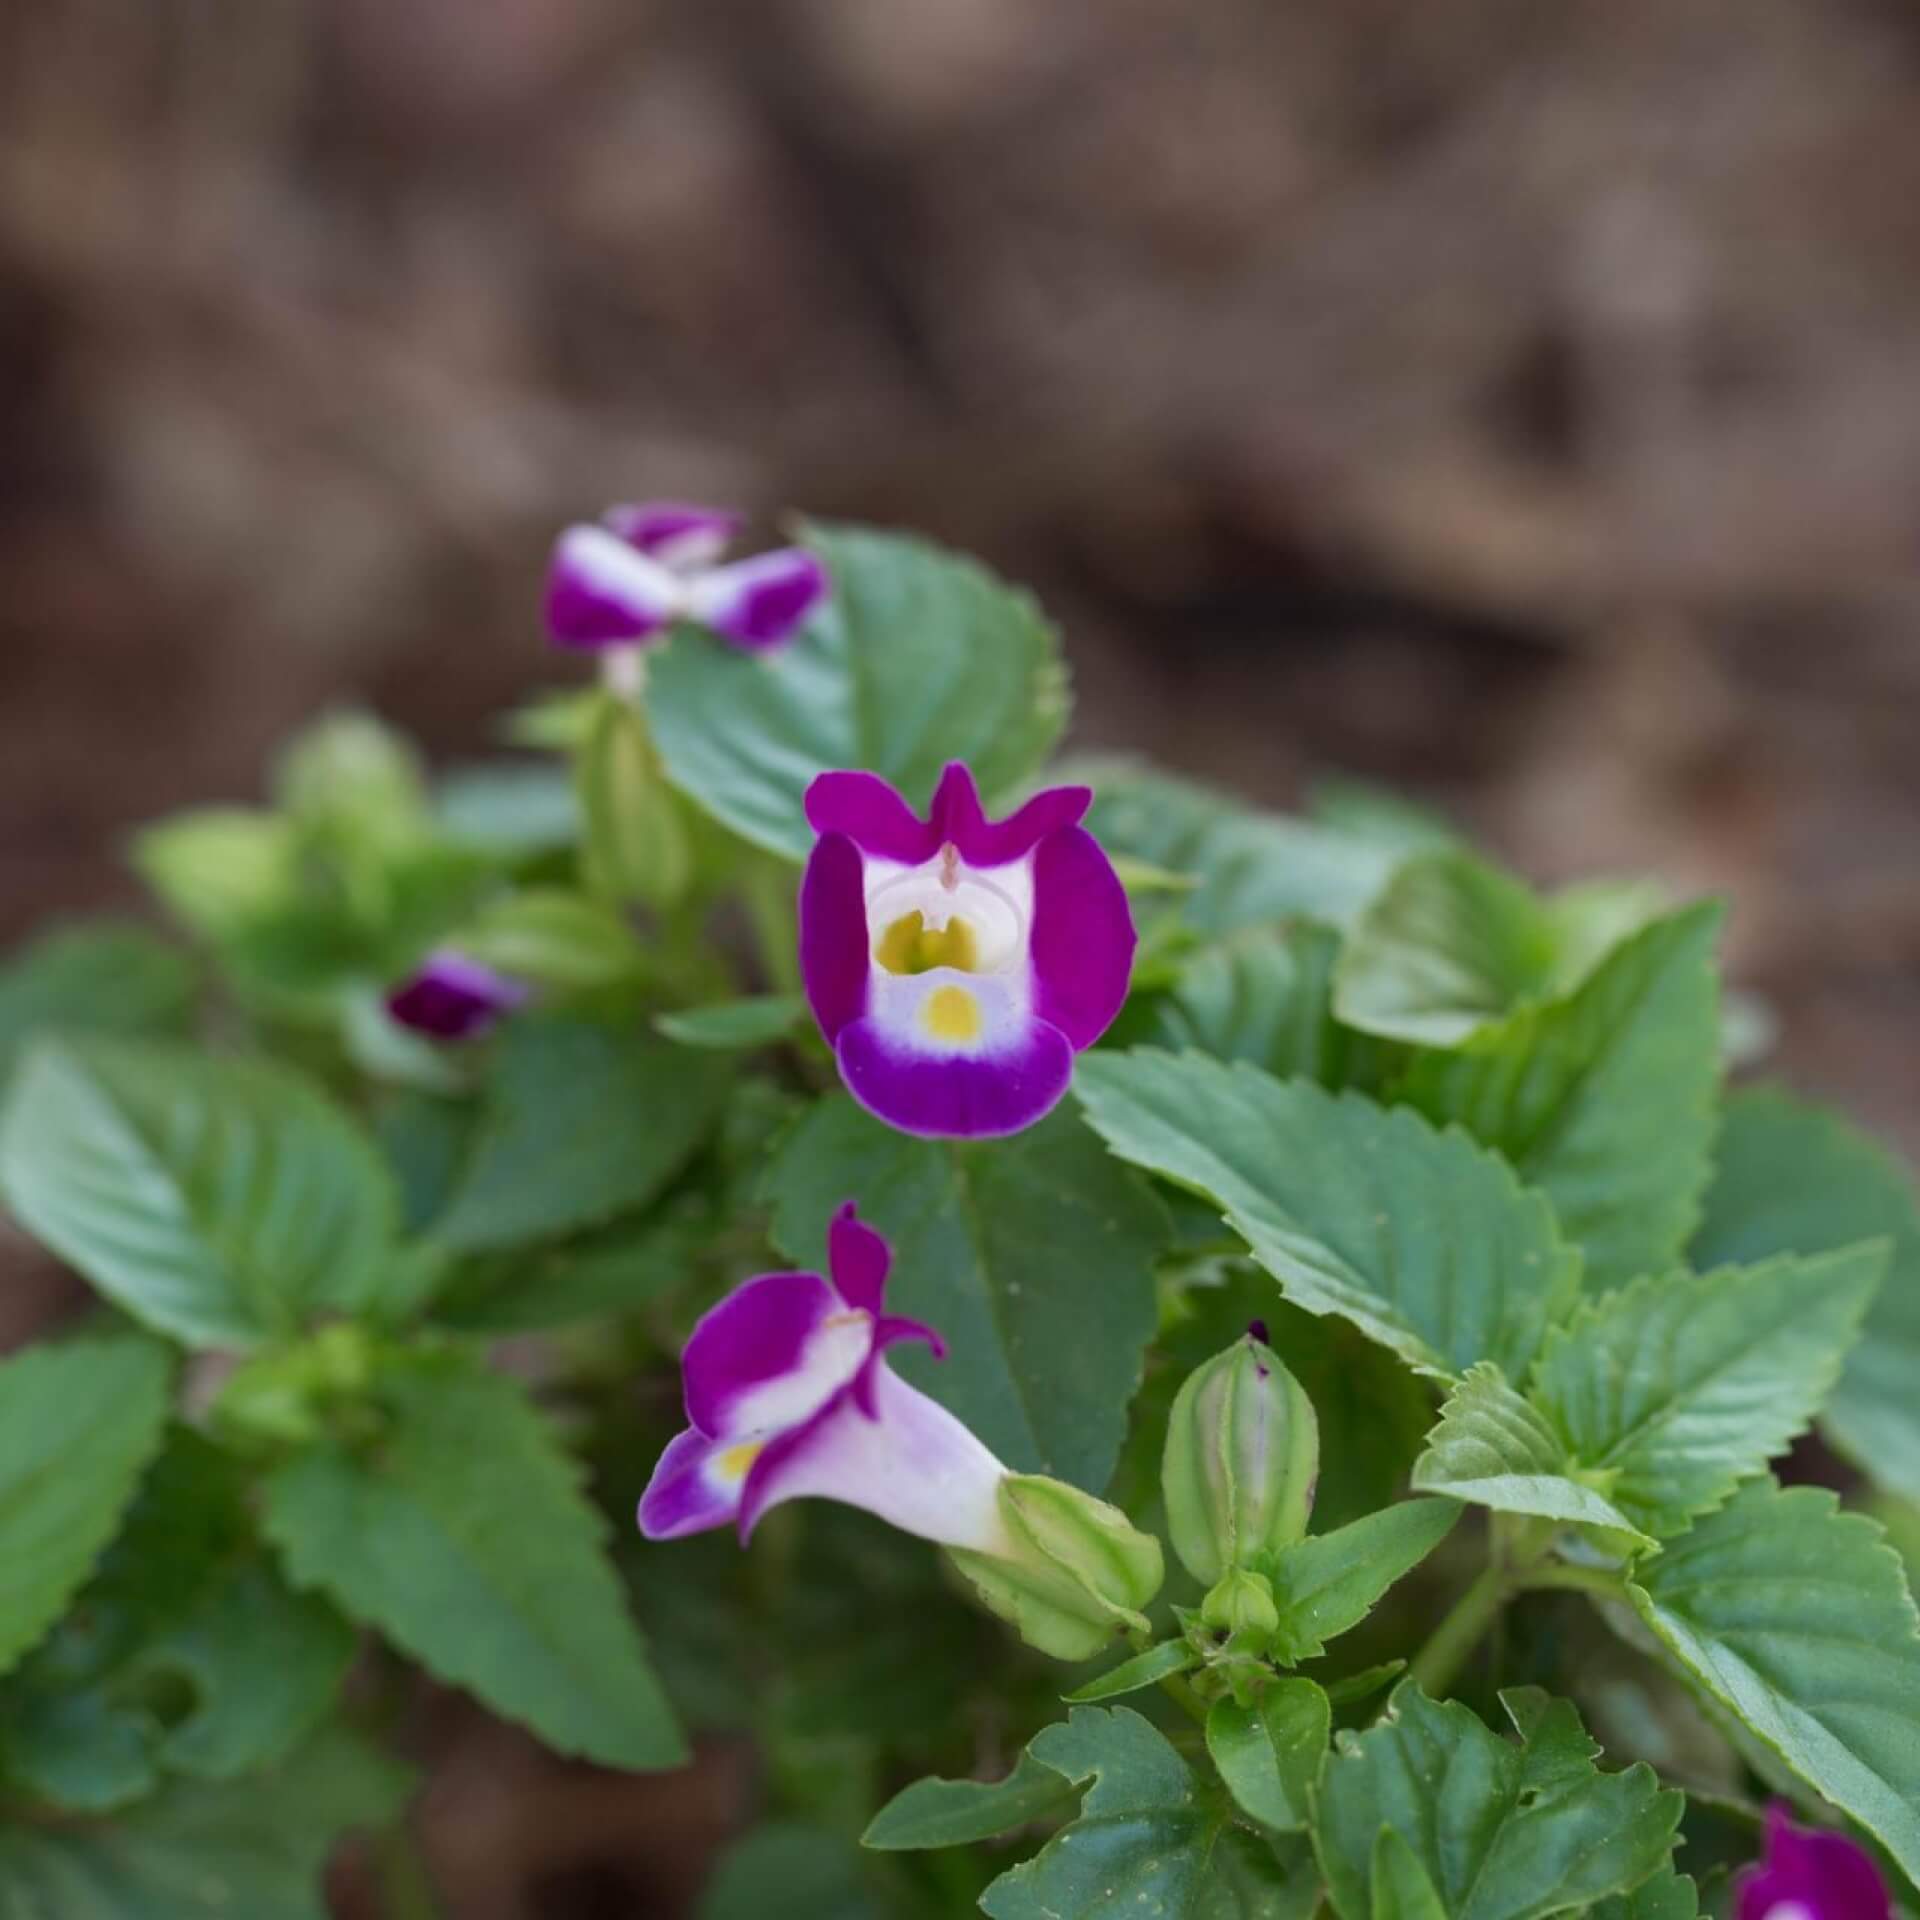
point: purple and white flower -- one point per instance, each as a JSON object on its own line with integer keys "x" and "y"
{"x": 450, "y": 997}
{"x": 789, "y": 1396}
{"x": 957, "y": 964}
{"x": 622, "y": 583}
{"x": 1810, "y": 1873}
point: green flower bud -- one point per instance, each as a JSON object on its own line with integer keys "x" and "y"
{"x": 1075, "y": 1573}
{"x": 1243, "y": 1453}
{"x": 1241, "y": 1603}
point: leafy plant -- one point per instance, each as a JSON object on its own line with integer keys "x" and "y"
{"x": 1308, "y": 1334}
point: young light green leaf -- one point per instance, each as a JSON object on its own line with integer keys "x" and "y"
{"x": 220, "y": 870}
{"x": 579, "y": 1122}
{"x": 465, "y": 1538}
{"x": 1145, "y": 1838}
{"x": 1495, "y": 1448}
{"x": 1424, "y": 1241}
{"x": 1572, "y": 1091}
{"x": 1329, "y": 1582}
{"x": 637, "y": 845}
{"x": 1796, "y": 1618}
{"x": 78, "y": 1424}
{"x": 349, "y": 777}
{"x": 950, "y": 1813}
{"x": 918, "y": 657}
{"x": 252, "y": 1847}
{"x": 553, "y": 938}
{"x": 512, "y": 809}
{"x": 729, "y": 1025}
{"x": 1793, "y": 1178}
{"x": 1402, "y": 1889}
{"x": 1271, "y": 1752}
{"x": 1252, "y": 868}
{"x": 99, "y": 977}
{"x": 1674, "y": 1390}
{"x": 1044, "y": 1353}
{"x": 1502, "y": 1832}
{"x": 218, "y": 1200}
{"x": 1143, "y": 1670}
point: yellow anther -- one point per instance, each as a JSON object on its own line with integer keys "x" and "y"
{"x": 909, "y": 945}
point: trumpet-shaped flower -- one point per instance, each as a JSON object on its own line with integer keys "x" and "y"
{"x": 789, "y": 1396}
{"x": 957, "y": 964}
{"x": 625, "y": 581}
{"x": 449, "y": 997}
{"x": 1809, "y": 1873}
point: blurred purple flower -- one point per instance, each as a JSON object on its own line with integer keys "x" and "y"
{"x": 449, "y": 997}
{"x": 1810, "y": 1873}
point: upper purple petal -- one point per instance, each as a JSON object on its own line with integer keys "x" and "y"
{"x": 872, "y": 815}
{"x": 675, "y": 532}
{"x": 858, "y": 1259}
{"x": 602, "y": 593}
{"x": 762, "y": 602}
{"x": 449, "y": 997}
{"x": 1829, "y": 1874}
{"x": 834, "y": 963}
{"x": 956, "y": 1096}
{"x": 1083, "y": 936}
{"x": 758, "y": 1333}
{"x": 681, "y": 1497}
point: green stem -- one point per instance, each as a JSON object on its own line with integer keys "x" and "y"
{"x": 1440, "y": 1660}
{"x": 1595, "y": 1580}
{"x": 1180, "y": 1691}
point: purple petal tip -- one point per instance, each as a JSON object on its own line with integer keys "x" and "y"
{"x": 450, "y": 997}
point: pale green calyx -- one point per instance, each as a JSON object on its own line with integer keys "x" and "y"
{"x": 1076, "y": 1571}
{"x": 1242, "y": 1457}
{"x": 1241, "y": 1603}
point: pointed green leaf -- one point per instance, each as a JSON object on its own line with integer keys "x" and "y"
{"x": 552, "y": 937}
{"x": 579, "y": 1122}
{"x": 463, "y": 1535}
{"x": 1667, "y": 1896}
{"x": 1677, "y": 1389}
{"x": 218, "y": 1200}
{"x": 1571, "y": 1092}
{"x": 635, "y": 842}
{"x": 1423, "y": 1240}
{"x": 78, "y": 1424}
{"x": 1264, "y": 997}
{"x": 1503, "y": 1832}
{"x": 1495, "y": 1448}
{"x": 731, "y": 1024}
{"x": 1143, "y": 1670}
{"x": 1044, "y": 1353}
{"x": 950, "y": 1813}
{"x": 1329, "y": 1582}
{"x": 918, "y": 657}
{"x": 103, "y": 976}
{"x": 1271, "y": 1752}
{"x": 1402, "y": 1889}
{"x": 1793, "y": 1178}
{"x": 1796, "y": 1618}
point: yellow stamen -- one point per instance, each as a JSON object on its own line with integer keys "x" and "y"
{"x": 735, "y": 1462}
{"x": 952, "y": 1013}
{"x": 909, "y": 945}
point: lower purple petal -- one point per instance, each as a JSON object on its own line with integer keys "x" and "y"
{"x": 1083, "y": 937}
{"x": 956, "y": 1096}
{"x": 602, "y": 593}
{"x": 757, "y": 1334}
{"x": 451, "y": 997}
{"x": 685, "y": 1495}
{"x": 834, "y": 964}
{"x": 858, "y": 1259}
{"x": 762, "y": 602}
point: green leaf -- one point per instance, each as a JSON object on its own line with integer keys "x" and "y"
{"x": 1677, "y": 1389}
{"x": 1495, "y": 1448}
{"x": 1329, "y": 1582}
{"x": 637, "y": 846}
{"x": 952, "y": 1813}
{"x": 348, "y": 776}
{"x": 553, "y": 938}
{"x": 579, "y": 1122}
{"x": 1251, "y": 867}
{"x": 1402, "y": 1889}
{"x": 1573, "y": 1091}
{"x": 1044, "y": 1352}
{"x": 1796, "y": 1618}
{"x": 220, "y": 870}
{"x": 1424, "y": 1241}
{"x": 1667, "y": 1896}
{"x": 465, "y": 1538}
{"x": 78, "y": 1424}
{"x": 1271, "y": 1752}
{"x": 1264, "y": 998}
{"x": 732, "y": 1024}
{"x": 1143, "y": 1670}
{"x": 217, "y": 1200}
{"x": 1377, "y": 813}
{"x": 512, "y": 809}
{"x": 918, "y": 658}
{"x": 103, "y": 977}
{"x": 1793, "y": 1178}
{"x": 1502, "y": 1832}
{"x": 1145, "y": 1839}
{"x": 793, "y": 1869}
{"x": 251, "y": 1848}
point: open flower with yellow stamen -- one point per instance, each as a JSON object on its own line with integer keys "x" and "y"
{"x": 957, "y": 964}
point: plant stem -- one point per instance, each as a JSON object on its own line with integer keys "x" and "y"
{"x": 1178, "y": 1689}
{"x": 1440, "y": 1660}
{"x": 1596, "y": 1580}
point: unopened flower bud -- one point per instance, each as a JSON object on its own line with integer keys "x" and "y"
{"x": 1243, "y": 1453}
{"x": 1076, "y": 1570}
{"x": 1241, "y": 1602}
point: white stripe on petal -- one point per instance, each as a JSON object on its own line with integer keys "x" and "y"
{"x": 835, "y": 1351}
{"x": 608, "y": 568}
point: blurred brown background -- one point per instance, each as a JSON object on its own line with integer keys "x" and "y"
{"x": 1519, "y": 403}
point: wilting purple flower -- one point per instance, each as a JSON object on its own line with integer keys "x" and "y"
{"x": 449, "y": 997}
{"x": 645, "y": 566}
{"x": 1810, "y": 1873}
{"x": 789, "y": 1397}
{"x": 957, "y": 964}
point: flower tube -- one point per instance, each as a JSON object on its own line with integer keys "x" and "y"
{"x": 1810, "y": 1873}
{"x": 621, "y": 584}
{"x": 957, "y": 964}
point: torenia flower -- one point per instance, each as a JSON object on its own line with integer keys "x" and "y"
{"x": 449, "y": 997}
{"x": 789, "y": 1396}
{"x": 1809, "y": 1873}
{"x": 624, "y": 582}
{"x": 957, "y": 964}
